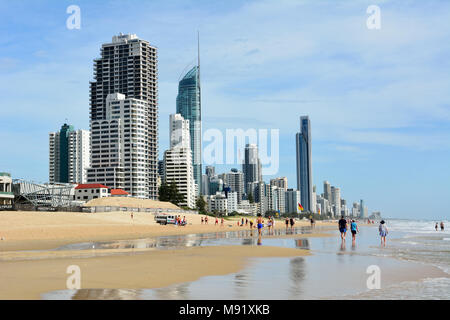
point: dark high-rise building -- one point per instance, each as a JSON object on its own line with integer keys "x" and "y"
{"x": 128, "y": 66}
{"x": 304, "y": 167}
{"x": 251, "y": 166}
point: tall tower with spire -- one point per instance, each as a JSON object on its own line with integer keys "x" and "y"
{"x": 189, "y": 106}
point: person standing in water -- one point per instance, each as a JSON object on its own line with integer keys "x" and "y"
{"x": 354, "y": 229}
{"x": 436, "y": 226}
{"x": 383, "y": 232}
{"x": 342, "y": 227}
{"x": 442, "y": 225}
{"x": 259, "y": 223}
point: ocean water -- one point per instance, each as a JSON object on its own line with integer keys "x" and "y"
{"x": 334, "y": 270}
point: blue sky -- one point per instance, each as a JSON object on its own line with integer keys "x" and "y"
{"x": 378, "y": 100}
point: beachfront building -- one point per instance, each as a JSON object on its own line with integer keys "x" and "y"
{"x": 69, "y": 155}
{"x": 217, "y": 203}
{"x": 118, "y": 193}
{"x": 6, "y": 194}
{"x": 280, "y": 183}
{"x": 235, "y": 180}
{"x": 251, "y": 167}
{"x": 304, "y": 163}
{"x": 178, "y": 166}
{"x": 127, "y": 66}
{"x": 245, "y": 207}
{"x": 120, "y": 146}
{"x": 87, "y": 192}
{"x": 336, "y": 201}
{"x": 327, "y": 191}
{"x": 189, "y": 106}
{"x": 292, "y": 197}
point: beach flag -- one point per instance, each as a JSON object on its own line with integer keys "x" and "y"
{"x": 300, "y": 207}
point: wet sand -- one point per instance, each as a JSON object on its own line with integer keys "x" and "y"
{"x": 23, "y": 230}
{"x": 28, "y": 279}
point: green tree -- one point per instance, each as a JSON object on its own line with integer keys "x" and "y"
{"x": 250, "y": 198}
{"x": 201, "y": 205}
{"x": 170, "y": 193}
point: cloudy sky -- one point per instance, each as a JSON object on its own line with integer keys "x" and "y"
{"x": 378, "y": 100}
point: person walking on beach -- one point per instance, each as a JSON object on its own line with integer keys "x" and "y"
{"x": 287, "y": 224}
{"x": 312, "y": 223}
{"x": 342, "y": 227}
{"x": 259, "y": 222}
{"x": 292, "y": 222}
{"x": 442, "y": 225}
{"x": 217, "y": 221}
{"x": 206, "y": 220}
{"x": 251, "y": 224}
{"x": 221, "y": 222}
{"x": 269, "y": 224}
{"x": 354, "y": 229}
{"x": 202, "y": 220}
{"x": 383, "y": 232}
{"x": 436, "y": 226}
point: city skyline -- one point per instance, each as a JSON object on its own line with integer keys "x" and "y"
{"x": 369, "y": 154}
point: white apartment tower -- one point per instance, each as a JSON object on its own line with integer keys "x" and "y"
{"x": 120, "y": 154}
{"x": 69, "y": 155}
{"x": 127, "y": 66}
{"x": 178, "y": 160}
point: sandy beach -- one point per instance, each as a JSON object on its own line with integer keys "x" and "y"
{"x": 30, "y": 268}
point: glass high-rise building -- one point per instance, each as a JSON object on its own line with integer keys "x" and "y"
{"x": 189, "y": 106}
{"x": 304, "y": 166}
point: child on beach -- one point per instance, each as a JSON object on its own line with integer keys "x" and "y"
{"x": 383, "y": 232}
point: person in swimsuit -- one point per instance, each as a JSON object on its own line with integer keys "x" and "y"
{"x": 383, "y": 232}
{"x": 269, "y": 224}
{"x": 221, "y": 222}
{"x": 206, "y": 220}
{"x": 287, "y": 223}
{"x": 292, "y": 222}
{"x": 436, "y": 226}
{"x": 202, "y": 220}
{"x": 217, "y": 221}
{"x": 442, "y": 225}
{"x": 259, "y": 222}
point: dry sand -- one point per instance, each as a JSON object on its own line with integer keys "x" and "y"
{"x": 27, "y": 274}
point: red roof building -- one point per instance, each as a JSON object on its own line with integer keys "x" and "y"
{"x": 119, "y": 193}
{"x": 91, "y": 186}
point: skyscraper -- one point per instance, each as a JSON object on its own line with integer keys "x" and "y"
{"x": 235, "y": 180}
{"x": 189, "y": 105}
{"x": 327, "y": 191}
{"x": 120, "y": 141}
{"x": 69, "y": 153}
{"x": 251, "y": 166}
{"x": 128, "y": 65}
{"x": 178, "y": 160}
{"x": 304, "y": 167}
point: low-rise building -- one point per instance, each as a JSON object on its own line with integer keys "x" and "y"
{"x": 6, "y": 194}
{"x": 86, "y": 192}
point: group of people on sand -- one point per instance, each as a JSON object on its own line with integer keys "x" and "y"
{"x": 441, "y": 224}
{"x": 180, "y": 222}
{"x": 342, "y": 223}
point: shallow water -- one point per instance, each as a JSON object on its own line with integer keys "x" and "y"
{"x": 333, "y": 271}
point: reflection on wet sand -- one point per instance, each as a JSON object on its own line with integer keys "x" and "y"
{"x": 296, "y": 276}
{"x": 106, "y": 294}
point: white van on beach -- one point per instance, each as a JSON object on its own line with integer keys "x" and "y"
{"x": 165, "y": 219}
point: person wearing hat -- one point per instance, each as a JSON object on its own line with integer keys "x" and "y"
{"x": 383, "y": 232}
